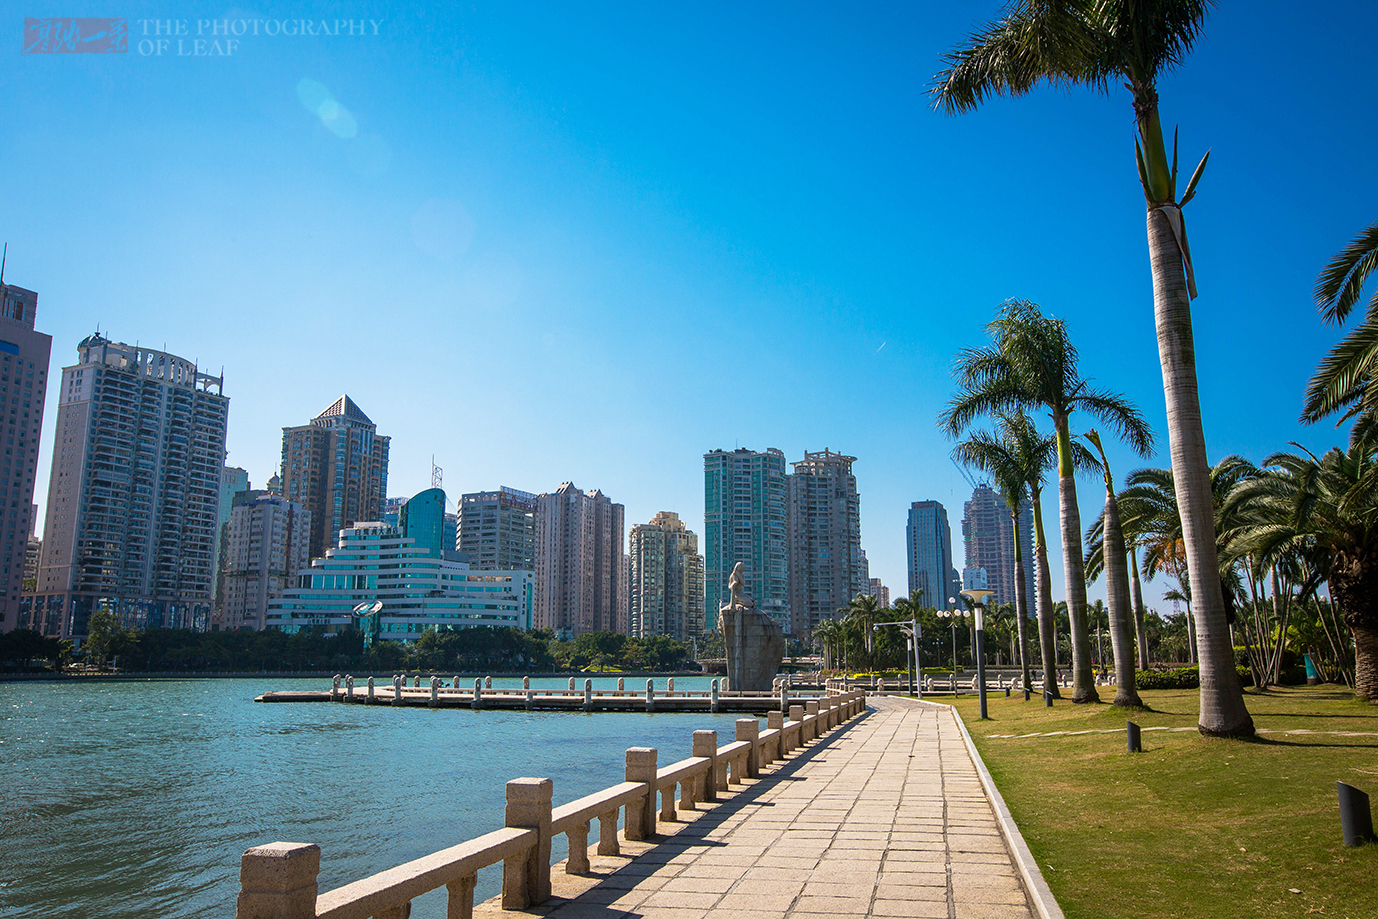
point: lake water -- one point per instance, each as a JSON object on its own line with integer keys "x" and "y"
{"x": 138, "y": 798}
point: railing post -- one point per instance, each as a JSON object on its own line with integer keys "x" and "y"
{"x": 526, "y": 688}
{"x": 571, "y": 684}
{"x": 621, "y": 684}
{"x": 487, "y": 682}
{"x": 713, "y": 696}
{"x": 435, "y": 692}
{"x": 670, "y": 686}
{"x": 749, "y": 729}
{"x": 335, "y": 689}
{"x": 667, "y": 803}
{"x": 775, "y": 721}
{"x": 526, "y": 877}
{"x": 811, "y": 710}
{"x": 784, "y": 698}
{"x": 477, "y": 701}
{"x": 650, "y": 695}
{"x": 460, "y": 903}
{"x": 686, "y": 793}
{"x": 796, "y": 714}
{"x": 278, "y": 881}
{"x": 706, "y": 745}
{"x": 588, "y": 695}
{"x": 641, "y": 814}
{"x": 349, "y": 687}
{"x": 369, "y": 698}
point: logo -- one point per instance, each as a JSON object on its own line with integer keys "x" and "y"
{"x": 76, "y": 36}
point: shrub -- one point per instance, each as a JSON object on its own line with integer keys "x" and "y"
{"x": 1181, "y": 678}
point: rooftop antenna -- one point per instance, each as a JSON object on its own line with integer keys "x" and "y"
{"x": 437, "y": 474}
{"x": 3, "y": 256}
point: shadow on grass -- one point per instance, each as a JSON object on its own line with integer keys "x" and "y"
{"x": 1337, "y": 743}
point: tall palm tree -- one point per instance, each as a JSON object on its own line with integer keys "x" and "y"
{"x": 1091, "y": 43}
{"x": 1116, "y": 585}
{"x": 1033, "y": 363}
{"x": 1017, "y": 458}
{"x": 1328, "y": 504}
{"x": 1343, "y": 381}
{"x": 862, "y": 612}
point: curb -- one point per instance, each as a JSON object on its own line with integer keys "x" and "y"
{"x": 1040, "y": 895}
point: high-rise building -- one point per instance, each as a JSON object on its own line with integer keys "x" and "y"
{"x": 266, "y": 543}
{"x": 134, "y": 492}
{"x": 422, "y": 518}
{"x": 826, "y": 566}
{"x": 497, "y": 529}
{"x": 666, "y": 579}
{"x": 881, "y": 593}
{"x": 581, "y": 573}
{"x": 24, "y": 355}
{"x": 233, "y": 480}
{"x": 746, "y": 519}
{"x": 928, "y": 540}
{"x": 337, "y": 468}
{"x": 989, "y": 540}
{"x": 392, "y": 511}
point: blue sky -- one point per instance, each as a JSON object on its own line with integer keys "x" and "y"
{"x": 590, "y": 242}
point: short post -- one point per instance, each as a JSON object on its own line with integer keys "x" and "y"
{"x": 1132, "y": 733}
{"x": 724, "y": 684}
{"x": 607, "y": 834}
{"x": 477, "y": 701}
{"x": 1356, "y": 819}
{"x": 335, "y": 689}
{"x": 775, "y": 721}
{"x": 670, "y": 686}
{"x": 398, "y": 681}
{"x": 796, "y": 714}
{"x": 578, "y": 862}
{"x": 278, "y": 881}
{"x": 588, "y": 695}
{"x": 526, "y": 877}
{"x": 650, "y": 697}
{"x": 526, "y": 682}
{"x": 1026, "y": 693}
{"x": 749, "y": 729}
{"x": 487, "y": 682}
{"x": 460, "y": 897}
{"x": 1047, "y": 698}
{"x": 530, "y": 694}
{"x": 811, "y": 710}
{"x": 417, "y": 683}
{"x": 349, "y": 687}
{"x": 369, "y": 697}
{"x": 435, "y": 692}
{"x": 621, "y": 684}
{"x": 454, "y": 684}
{"x": 641, "y": 813}
{"x": 706, "y": 745}
{"x": 713, "y": 696}
{"x": 784, "y": 699}
{"x": 571, "y": 684}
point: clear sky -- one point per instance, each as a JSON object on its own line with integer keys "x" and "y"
{"x": 592, "y": 241}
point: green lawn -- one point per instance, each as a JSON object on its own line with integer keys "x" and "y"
{"x": 1192, "y": 826}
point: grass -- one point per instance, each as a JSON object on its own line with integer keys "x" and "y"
{"x": 1193, "y": 826}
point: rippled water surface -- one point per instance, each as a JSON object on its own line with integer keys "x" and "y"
{"x": 138, "y": 798}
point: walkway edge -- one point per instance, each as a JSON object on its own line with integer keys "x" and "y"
{"x": 1044, "y": 903}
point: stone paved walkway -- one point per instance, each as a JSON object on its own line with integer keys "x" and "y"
{"x": 884, "y": 818}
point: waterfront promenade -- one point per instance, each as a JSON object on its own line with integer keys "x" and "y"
{"x": 886, "y": 818}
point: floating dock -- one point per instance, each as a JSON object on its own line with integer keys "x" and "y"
{"x": 556, "y": 700}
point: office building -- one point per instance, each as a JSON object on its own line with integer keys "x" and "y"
{"x": 989, "y": 540}
{"x": 666, "y": 577}
{"x": 581, "y": 570}
{"x": 392, "y": 511}
{"x": 497, "y": 529}
{"x": 745, "y": 519}
{"x": 418, "y": 592}
{"x": 337, "y": 468}
{"x": 826, "y": 566}
{"x": 881, "y": 593}
{"x": 266, "y": 542}
{"x": 422, "y": 519}
{"x": 134, "y": 492}
{"x": 928, "y": 541}
{"x": 24, "y": 356}
{"x": 233, "y": 480}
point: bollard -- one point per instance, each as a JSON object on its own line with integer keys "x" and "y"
{"x": 1026, "y": 693}
{"x": 571, "y": 684}
{"x": 530, "y": 695}
{"x": 621, "y": 684}
{"x": 1007, "y": 692}
{"x": 713, "y": 696}
{"x": 349, "y": 687}
{"x": 477, "y": 700}
{"x": 749, "y": 729}
{"x": 454, "y": 684}
{"x": 369, "y": 697}
{"x": 487, "y": 682}
{"x": 784, "y": 699}
{"x": 398, "y": 682}
{"x": 670, "y": 686}
{"x": 1132, "y": 732}
{"x": 435, "y": 692}
{"x": 335, "y": 689}
{"x": 1047, "y": 699}
{"x": 417, "y": 683}
{"x": 278, "y": 881}
{"x": 641, "y": 813}
{"x": 588, "y": 695}
{"x": 526, "y": 682}
{"x": 706, "y": 745}
{"x": 1356, "y": 819}
{"x": 724, "y": 684}
{"x": 526, "y": 877}
{"x": 650, "y": 696}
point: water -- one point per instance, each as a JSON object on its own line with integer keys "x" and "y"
{"x": 137, "y": 799}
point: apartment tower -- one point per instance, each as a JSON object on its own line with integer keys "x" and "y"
{"x": 826, "y": 565}
{"x": 266, "y": 542}
{"x": 497, "y": 529}
{"x": 581, "y": 571}
{"x": 666, "y": 573}
{"x": 989, "y": 540}
{"x": 746, "y": 519}
{"x": 928, "y": 541}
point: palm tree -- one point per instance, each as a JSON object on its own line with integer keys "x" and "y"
{"x": 1033, "y": 363}
{"x": 1116, "y": 585}
{"x": 1091, "y": 43}
{"x": 1017, "y": 457}
{"x": 1343, "y": 380}
{"x": 828, "y": 634}
{"x": 861, "y": 613}
{"x": 1328, "y": 504}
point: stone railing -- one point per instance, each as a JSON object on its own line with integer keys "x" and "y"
{"x": 278, "y": 881}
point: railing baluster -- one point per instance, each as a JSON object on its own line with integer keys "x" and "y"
{"x": 578, "y": 861}
{"x": 607, "y": 834}
{"x": 460, "y": 903}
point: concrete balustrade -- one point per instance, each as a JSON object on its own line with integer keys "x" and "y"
{"x": 279, "y": 880}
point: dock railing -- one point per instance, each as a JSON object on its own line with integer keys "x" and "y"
{"x": 279, "y": 880}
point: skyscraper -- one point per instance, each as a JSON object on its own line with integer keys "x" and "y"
{"x": 880, "y": 592}
{"x": 422, "y": 518}
{"x": 928, "y": 540}
{"x": 581, "y": 571}
{"x": 989, "y": 540}
{"x": 24, "y": 355}
{"x": 233, "y": 480}
{"x": 337, "y": 468}
{"x": 666, "y": 579}
{"x": 266, "y": 543}
{"x": 497, "y": 529}
{"x": 826, "y": 566}
{"x": 745, "y": 519}
{"x": 134, "y": 493}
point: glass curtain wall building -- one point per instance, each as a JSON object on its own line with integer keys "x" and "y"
{"x": 745, "y": 520}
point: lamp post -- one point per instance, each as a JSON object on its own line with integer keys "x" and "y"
{"x": 978, "y": 597}
{"x": 911, "y": 629}
{"x": 956, "y": 615}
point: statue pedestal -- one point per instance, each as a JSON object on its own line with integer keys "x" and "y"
{"x": 755, "y": 648}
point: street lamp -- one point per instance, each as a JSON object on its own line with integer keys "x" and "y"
{"x": 910, "y": 628}
{"x": 956, "y": 615}
{"x": 978, "y": 597}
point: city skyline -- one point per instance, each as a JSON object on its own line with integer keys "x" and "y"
{"x": 593, "y": 201}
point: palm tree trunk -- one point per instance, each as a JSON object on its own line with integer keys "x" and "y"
{"x": 1074, "y": 572}
{"x": 1117, "y": 599}
{"x": 1021, "y": 601}
{"x": 1191, "y": 636}
{"x": 1140, "y": 633}
{"x": 1222, "y": 697}
{"x": 1043, "y": 587}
